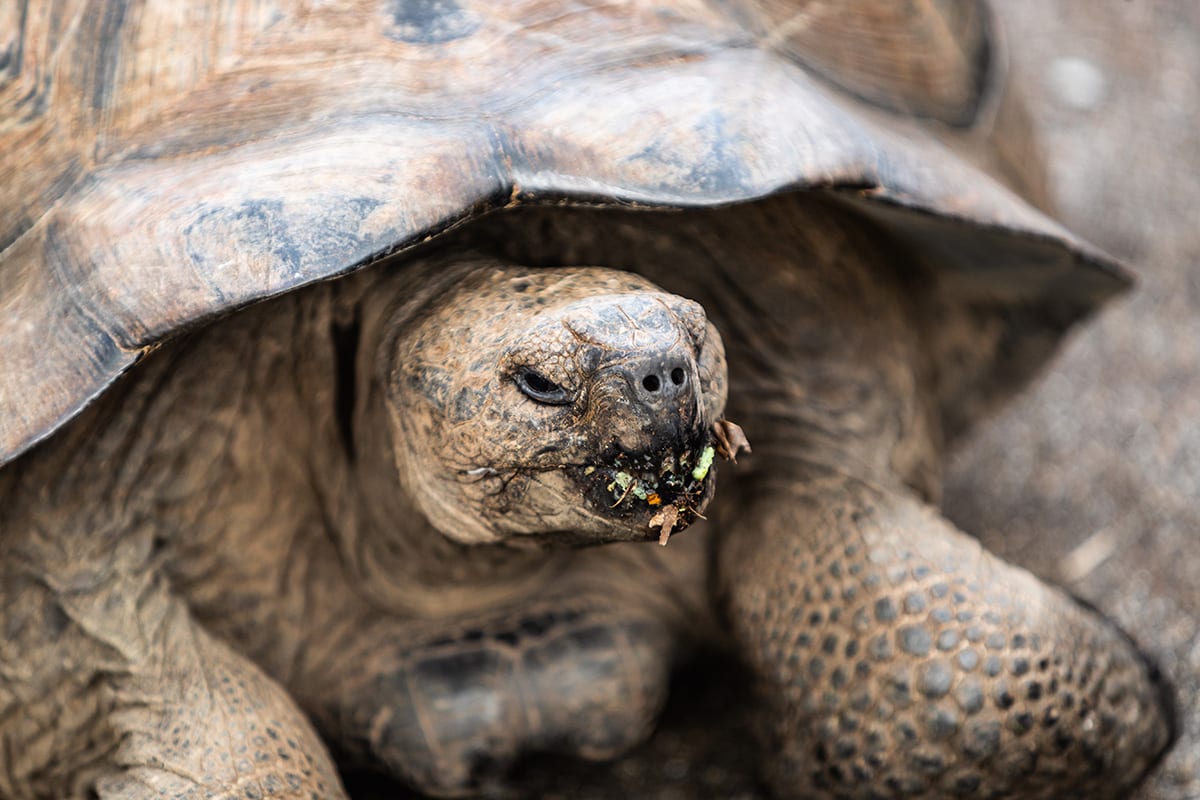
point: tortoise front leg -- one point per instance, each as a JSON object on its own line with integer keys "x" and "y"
{"x": 577, "y": 666}
{"x": 449, "y": 712}
{"x": 897, "y": 658}
{"x": 113, "y": 691}
{"x": 203, "y": 723}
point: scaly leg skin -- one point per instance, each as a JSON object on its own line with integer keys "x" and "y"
{"x": 897, "y": 658}
{"x": 449, "y": 714}
{"x": 113, "y": 691}
{"x": 580, "y": 667}
{"x": 215, "y": 727}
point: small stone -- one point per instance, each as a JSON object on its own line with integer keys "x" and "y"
{"x": 1078, "y": 83}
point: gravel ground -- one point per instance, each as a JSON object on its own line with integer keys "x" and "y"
{"x": 1092, "y": 478}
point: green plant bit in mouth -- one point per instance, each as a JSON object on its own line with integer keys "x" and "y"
{"x": 673, "y": 483}
{"x": 653, "y": 484}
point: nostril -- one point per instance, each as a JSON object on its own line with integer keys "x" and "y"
{"x": 677, "y": 376}
{"x": 651, "y": 383}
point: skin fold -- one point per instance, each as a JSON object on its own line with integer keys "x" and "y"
{"x": 365, "y": 508}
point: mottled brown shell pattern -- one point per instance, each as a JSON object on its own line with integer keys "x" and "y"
{"x": 162, "y": 166}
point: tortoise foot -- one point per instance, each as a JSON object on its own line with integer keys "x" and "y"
{"x": 454, "y": 712}
{"x": 898, "y": 659}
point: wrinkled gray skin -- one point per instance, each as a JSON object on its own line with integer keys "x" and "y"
{"x": 354, "y": 505}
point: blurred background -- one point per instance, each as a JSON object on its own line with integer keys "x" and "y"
{"x": 1091, "y": 478}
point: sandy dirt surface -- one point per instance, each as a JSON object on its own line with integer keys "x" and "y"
{"x": 1090, "y": 479}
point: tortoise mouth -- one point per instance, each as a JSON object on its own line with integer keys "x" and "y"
{"x": 661, "y": 491}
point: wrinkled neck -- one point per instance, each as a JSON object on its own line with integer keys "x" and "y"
{"x": 400, "y": 560}
{"x": 397, "y": 552}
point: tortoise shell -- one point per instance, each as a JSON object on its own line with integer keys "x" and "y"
{"x": 163, "y": 163}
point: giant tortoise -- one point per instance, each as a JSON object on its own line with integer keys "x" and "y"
{"x": 605, "y": 231}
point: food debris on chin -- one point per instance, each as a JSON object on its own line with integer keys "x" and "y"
{"x": 666, "y": 519}
{"x": 675, "y": 487}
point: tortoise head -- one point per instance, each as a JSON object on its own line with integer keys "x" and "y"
{"x": 556, "y": 407}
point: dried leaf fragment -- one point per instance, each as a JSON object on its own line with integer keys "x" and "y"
{"x": 665, "y": 518}
{"x": 731, "y": 440}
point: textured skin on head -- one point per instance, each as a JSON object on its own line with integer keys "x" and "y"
{"x": 484, "y": 461}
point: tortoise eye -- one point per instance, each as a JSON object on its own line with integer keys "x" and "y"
{"x": 542, "y": 389}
